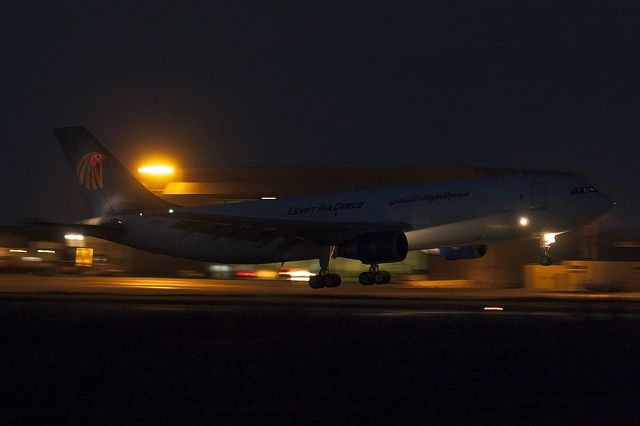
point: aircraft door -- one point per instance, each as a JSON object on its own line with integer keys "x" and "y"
{"x": 538, "y": 196}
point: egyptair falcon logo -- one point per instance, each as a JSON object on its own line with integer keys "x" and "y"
{"x": 90, "y": 172}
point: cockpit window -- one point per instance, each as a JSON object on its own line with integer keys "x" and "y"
{"x": 583, "y": 189}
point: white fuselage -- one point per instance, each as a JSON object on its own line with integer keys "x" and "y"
{"x": 442, "y": 214}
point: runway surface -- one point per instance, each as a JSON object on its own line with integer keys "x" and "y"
{"x": 134, "y": 350}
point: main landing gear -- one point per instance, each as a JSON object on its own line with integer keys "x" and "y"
{"x": 324, "y": 277}
{"x": 545, "y": 244}
{"x": 374, "y": 276}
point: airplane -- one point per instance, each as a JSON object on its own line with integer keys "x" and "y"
{"x": 455, "y": 219}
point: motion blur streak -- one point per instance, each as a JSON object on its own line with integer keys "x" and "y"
{"x": 206, "y": 287}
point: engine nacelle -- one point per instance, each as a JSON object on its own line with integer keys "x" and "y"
{"x": 381, "y": 247}
{"x": 464, "y": 252}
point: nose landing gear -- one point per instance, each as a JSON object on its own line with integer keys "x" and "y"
{"x": 374, "y": 276}
{"x": 545, "y": 244}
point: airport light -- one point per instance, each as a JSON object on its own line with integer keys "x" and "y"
{"x": 524, "y": 221}
{"x": 156, "y": 170}
{"x": 74, "y": 237}
{"x": 297, "y": 275}
{"x": 268, "y": 198}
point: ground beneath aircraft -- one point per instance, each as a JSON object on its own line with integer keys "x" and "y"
{"x": 95, "y": 349}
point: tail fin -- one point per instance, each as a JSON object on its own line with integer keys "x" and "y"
{"x": 107, "y": 186}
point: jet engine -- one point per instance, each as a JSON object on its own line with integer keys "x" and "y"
{"x": 464, "y": 252}
{"x": 380, "y": 247}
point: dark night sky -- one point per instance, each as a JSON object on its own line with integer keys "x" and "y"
{"x": 499, "y": 83}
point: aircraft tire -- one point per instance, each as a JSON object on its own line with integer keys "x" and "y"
{"x": 379, "y": 277}
{"x": 545, "y": 260}
{"x": 332, "y": 280}
{"x": 316, "y": 282}
{"x": 366, "y": 278}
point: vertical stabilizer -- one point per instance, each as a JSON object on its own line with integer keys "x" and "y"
{"x": 106, "y": 185}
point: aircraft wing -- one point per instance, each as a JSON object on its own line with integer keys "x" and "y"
{"x": 260, "y": 230}
{"x": 266, "y": 230}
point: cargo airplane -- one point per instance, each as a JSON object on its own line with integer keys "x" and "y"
{"x": 456, "y": 219}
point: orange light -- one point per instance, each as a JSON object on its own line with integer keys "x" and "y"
{"x": 266, "y": 274}
{"x": 156, "y": 170}
{"x": 84, "y": 256}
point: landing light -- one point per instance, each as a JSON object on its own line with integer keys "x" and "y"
{"x": 156, "y": 170}
{"x": 523, "y": 221}
{"x": 268, "y": 198}
{"x": 170, "y": 210}
{"x": 549, "y": 238}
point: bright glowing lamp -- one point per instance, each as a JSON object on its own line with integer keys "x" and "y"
{"x": 74, "y": 237}
{"x": 523, "y": 221}
{"x": 156, "y": 170}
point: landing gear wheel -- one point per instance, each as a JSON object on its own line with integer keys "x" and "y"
{"x": 387, "y": 277}
{"x": 331, "y": 280}
{"x": 316, "y": 281}
{"x": 374, "y": 276}
{"x": 545, "y": 244}
{"x": 545, "y": 260}
{"x": 325, "y": 280}
{"x": 380, "y": 277}
{"x": 366, "y": 278}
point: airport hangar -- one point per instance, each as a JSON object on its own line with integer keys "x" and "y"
{"x": 504, "y": 265}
